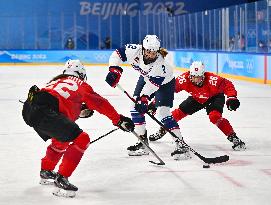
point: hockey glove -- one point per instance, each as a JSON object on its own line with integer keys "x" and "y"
{"x": 32, "y": 91}
{"x": 141, "y": 105}
{"x": 232, "y": 103}
{"x": 85, "y": 112}
{"x": 114, "y": 75}
{"x": 126, "y": 124}
{"x": 151, "y": 108}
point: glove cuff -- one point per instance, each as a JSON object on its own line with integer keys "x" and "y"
{"x": 115, "y": 69}
{"x": 145, "y": 98}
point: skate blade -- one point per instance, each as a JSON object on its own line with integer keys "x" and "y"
{"x": 131, "y": 153}
{"x": 64, "y": 193}
{"x": 179, "y": 157}
{"x": 239, "y": 149}
{"x": 46, "y": 182}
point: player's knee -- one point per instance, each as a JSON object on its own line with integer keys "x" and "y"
{"x": 59, "y": 146}
{"x": 214, "y": 116}
{"x": 163, "y": 111}
{"x": 82, "y": 141}
{"x": 178, "y": 114}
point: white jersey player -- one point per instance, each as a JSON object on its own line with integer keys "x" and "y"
{"x": 156, "y": 80}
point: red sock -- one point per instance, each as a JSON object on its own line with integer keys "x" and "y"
{"x": 73, "y": 155}
{"x": 222, "y": 123}
{"x": 178, "y": 114}
{"x": 225, "y": 127}
{"x": 53, "y": 154}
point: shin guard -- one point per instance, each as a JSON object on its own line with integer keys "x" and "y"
{"x": 73, "y": 155}
{"x": 54, "y": 153}
{"x": 222, "y": 123}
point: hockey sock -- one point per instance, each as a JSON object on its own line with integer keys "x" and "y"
{"x": 139, "y": 121}
{"x": 73, "y": 155}
{"x": 54, "y": 153}
{"x": 222, "y": 123}
{"x": 178, "y": 114}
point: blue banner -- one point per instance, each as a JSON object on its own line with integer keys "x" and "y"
{"x": 184, "y": 59}
{"x": 247, "y": 65}
{"x": 53, "y": 56}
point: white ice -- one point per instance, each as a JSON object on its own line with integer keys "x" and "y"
{"x": 108, "y": 176}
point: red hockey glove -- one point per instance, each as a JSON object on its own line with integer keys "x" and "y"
{"x": 232, "y": 103}
{"x": 141, "y": 105}
{"x": 114, "y": 75}
{"x": 126, "y": 124}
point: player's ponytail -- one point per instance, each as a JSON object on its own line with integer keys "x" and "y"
{"x": 163, "y": 52}
{"x": 58, "y": 77}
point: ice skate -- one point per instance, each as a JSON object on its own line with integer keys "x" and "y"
{"x": 238, "y": 145}
{"x": 181, "y": 152}
{"x": 63, "y": 187}
{"x": 47, "y": 177}
{"x": 139, "y": 149}
{"x": 158, "y": 135}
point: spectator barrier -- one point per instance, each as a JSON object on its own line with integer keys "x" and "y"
{"x": 242, "y": 66}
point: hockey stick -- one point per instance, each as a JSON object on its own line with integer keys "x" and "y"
{"x": 103, "y": 135}
{"x": 213, "y": 160}
{"x": 150, "y": 149}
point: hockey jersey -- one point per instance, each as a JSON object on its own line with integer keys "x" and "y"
{"x": 213, "y": 85}
{"x": 155, "y": 74}
{"x": 71, "y": 92}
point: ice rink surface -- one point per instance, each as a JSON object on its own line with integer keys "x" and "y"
{"x": 108, "y": 176}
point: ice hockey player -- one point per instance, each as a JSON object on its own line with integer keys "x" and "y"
{"x": 52, "y": 112}
{"x": 207, "y": 92}
{"x": 156, "y": 79}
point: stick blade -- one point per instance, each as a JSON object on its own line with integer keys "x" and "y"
{"x": 217, "y": 160}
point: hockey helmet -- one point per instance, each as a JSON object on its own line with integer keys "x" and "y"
{"x": 197, "y": 71}
{"x": 151, "y": 42}
{"x": 75, "y": 68}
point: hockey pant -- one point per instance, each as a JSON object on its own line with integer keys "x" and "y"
{"x": 214, "y": 109}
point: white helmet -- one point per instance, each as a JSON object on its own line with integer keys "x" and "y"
{"x": 151, "y": 42}
{"x": 197, "y": 69}
{"x": 75, "y": 68}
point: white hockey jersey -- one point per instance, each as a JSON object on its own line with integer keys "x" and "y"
{"x": 155, "y": 74}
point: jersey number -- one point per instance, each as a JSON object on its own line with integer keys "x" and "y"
{"x": 213, "y": 80}
{"x": 69, "y": 84}
{"x": 181, "y": 79}
{"x": 164, "y": 69}
{"x": 131, "y": 46}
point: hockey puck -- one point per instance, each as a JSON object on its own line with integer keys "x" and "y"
{"x": 206, "y": 166}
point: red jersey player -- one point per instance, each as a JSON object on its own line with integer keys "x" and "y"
{"x": 52, "y": 110}
{"x": 207, "y": 92}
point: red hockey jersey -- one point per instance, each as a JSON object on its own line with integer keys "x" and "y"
{"x": 213, "y": 85}
{"x": 71, "y": 92}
